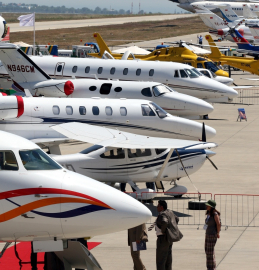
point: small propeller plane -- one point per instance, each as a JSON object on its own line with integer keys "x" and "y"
{"x": 122, "y": 157}
{"x": 45, "y": 203}
{"x": 182, "y": 54}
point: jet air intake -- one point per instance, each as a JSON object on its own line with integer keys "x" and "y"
{"x": 11, "y": 107}
{"x": 54, "y": 88}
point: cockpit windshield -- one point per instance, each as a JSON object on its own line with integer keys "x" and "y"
{"x": 211, "y": 66}
{"x": 161, "y": 89}
{"x": 197, "y": 71}
{"x": 191, "y": 73}
{"x": 36, "y": 159}
{"x": 160, "y": 112}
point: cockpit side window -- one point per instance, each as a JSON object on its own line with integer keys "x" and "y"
{"x": 135, "y": 153}
{"x": 183, "y": 74}
{"x": 161, "y": 89}
{"x": 160, "y": 112}
{"x": 7, "y": 161}
{"x": 205, "y": 72}
{"x": 118, "y": 153}
{"x": 36, "y": 159}
{"x": 176, "y": 74}
{"x": 147, "y": 111}
{"x": 146, "y": 92}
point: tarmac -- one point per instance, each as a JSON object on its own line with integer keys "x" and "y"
{"x": 94, "y": 22}
{"x": 237, "y": 160}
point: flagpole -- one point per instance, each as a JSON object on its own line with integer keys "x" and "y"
{"x": 34, "y": 34}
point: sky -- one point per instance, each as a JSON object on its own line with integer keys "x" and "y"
{"x": 163, "y": 6}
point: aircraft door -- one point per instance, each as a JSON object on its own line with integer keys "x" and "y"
{"x": 59, "y": 70}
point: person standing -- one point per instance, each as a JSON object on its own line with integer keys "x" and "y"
{"x": 137, "y": 234}
{"x": 167, "y": 233}
{"x": 200, "y": 40}
{"x": 212, "y": 227}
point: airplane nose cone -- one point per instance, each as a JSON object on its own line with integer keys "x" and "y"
{"x": 210, "y": 153}
{"x": 232, "y": 93}
{"x": 204, "y": 108}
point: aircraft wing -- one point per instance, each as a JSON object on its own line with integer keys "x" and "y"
{"x": 119, "y": 139}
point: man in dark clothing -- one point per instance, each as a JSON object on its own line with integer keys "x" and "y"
{"x": 166, "y": 220}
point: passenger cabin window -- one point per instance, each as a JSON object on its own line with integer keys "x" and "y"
{"x": 95, "y": 110}
{"x": 87, "y": 69}
{"x": 160, "y": 112}
{"x": 56, "y": 110}
{"x": 100, "y": 70}
{"x": 108, "y": 110}
{"x": 59, "y": 68}
{"x": 147, "y": 111}
{"x": 74, "y": 69}
{"x": 117, "y": 89}
{"x": 36, "y": 159}
{"x": 183, "y": 74}
{"x": 138, "y": 71}
{"x": 125, "y": 71}
{"x": 112, "y": 71}
{"x": 92, "y": 88}
{"x": 146, "y": 92}
{"x": 151, "y": 72}
{"x": 118, "y": 153}
{"x": 135, "y": 153}
{"x": 7, "y": 161}
{"x": 176, "y": 74}
{"x": 160, "y": 151}
{"x": 123, "y": 111}
{"x": 105, "y": 89}
{"x": 82, "y": 110}
{"x": 69, "y": 110}
{"x": 160, "y": 90}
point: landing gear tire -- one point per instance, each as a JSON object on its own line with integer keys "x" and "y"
{"x": 197, "y": 205}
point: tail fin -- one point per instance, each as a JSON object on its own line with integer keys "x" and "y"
{"x": 248, "y": 13}
{"x": 215, "y": 52}
{"x": 19, "y": 66}
{"x": 102, "y": 45}
{"x": 212, "y": 20}
{"x": 228, "y": 14}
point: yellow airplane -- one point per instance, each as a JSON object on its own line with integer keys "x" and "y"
{"x": 179, "y": 54}
{"x": 244, "y": 63}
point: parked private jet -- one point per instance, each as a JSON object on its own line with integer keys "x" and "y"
{"x": 121, "y": 157}
{"x": 40, "y": 85}
{"x": 32, "y": 117}
{"x": 41, "y": 200}
{"x": 180, "y": 77}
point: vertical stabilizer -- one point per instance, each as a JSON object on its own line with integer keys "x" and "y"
{"x": 102, "y": 45}
{"x": 215, "y": 52}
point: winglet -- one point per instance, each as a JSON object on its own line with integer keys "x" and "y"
{"x": 102, "y": 45}
{"x": 215, "y": 52}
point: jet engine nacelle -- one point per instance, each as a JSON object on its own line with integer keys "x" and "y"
{"x": 3, "y": 28}
{"x": 53, "y": 88}
{"x": 11, "y": 107}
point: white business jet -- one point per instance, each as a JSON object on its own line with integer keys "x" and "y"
{"x": 173, "y": 102}
{"x": 121, "y": 157}
{"x": 43, "y": 202}
{"x": 32, "y": 117}
{"x": 180, "y": 77}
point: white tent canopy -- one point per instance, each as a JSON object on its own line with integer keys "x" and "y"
{"x": 134, "y": 49}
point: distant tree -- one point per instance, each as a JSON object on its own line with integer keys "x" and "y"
{"x": 97, "y": 10}
{"x": 121, "y": 11}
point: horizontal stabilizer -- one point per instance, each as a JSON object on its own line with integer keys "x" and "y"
{"x": 115, "y": 138}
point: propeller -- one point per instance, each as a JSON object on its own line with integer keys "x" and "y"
{"x": 212, "y": 163}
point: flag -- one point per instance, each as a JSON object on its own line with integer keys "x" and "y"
{"x": 26, "y": 20}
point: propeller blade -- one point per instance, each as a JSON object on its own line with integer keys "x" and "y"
{"x": 203, "y": 137}
{"x": 212, "y": 163}
{"x": 181, "y": 163}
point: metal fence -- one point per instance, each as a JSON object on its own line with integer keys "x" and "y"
{"x": 238, "y": 210}
{"x": 189, "y": 207}
{"x": 248, "y": 96}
